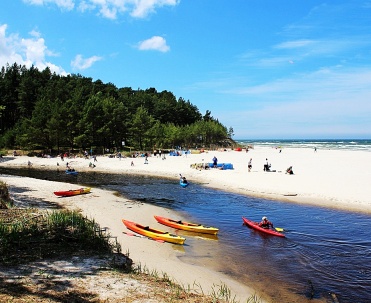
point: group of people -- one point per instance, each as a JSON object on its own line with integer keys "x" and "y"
{"x": 267, "y": 167}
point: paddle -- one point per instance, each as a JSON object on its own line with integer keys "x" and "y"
{"x": 279, "y": 229}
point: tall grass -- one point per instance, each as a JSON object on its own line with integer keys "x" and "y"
{"x": 5, "y": 201}
{"x": 51, "y": 234}
{"x": 175, "y": 292}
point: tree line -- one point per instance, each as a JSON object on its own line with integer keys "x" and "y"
{"x": 43, "y": 110}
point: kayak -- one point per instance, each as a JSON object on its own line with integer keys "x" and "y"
{"x": 71, "y": 172}
{"x": 182, "y": 184}
{"x": 72, "y": 192}
{"x": 153, "y": 233}
{"x": 187, "y": 226}
{"x": 255, "y": 225}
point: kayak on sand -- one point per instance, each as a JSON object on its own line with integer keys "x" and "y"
{"x": 187, "y": 226}
{"x": 72, "y": 192}
{"x": 153, "y": 233}
{"x": 255, "y": 225}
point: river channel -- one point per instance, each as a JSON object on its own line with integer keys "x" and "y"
{"x": 325, "y": 257}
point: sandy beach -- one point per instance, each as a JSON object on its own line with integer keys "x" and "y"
{"x": 327, "y": 178}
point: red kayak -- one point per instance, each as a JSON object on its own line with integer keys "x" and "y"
{"x": 72, "y": 192}
{"x": 255, "y": 225}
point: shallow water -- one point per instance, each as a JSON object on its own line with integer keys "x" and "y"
{"x": 326, "y": 254}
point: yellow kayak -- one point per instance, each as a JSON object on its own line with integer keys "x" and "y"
{"x": 199, "y": 228}
{"x": 153, "y": 233}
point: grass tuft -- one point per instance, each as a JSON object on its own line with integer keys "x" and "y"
{"x": 36, "y": 235}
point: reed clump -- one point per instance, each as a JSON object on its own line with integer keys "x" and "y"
{"x": 5, "y": 200}
{"x": 36, "y": 235}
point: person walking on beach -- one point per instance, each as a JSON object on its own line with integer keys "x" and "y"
{"x": 249, "y": 165}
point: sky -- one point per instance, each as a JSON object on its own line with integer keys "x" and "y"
{"x": 270, "y": 69}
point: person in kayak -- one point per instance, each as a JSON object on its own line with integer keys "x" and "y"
{"x": 265, "y": 223}
{"x": 183, "y": 179}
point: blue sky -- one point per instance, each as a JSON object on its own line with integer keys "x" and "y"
{"x": 271, "y": 69}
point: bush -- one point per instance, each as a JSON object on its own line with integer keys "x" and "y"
{"x": 51, "y": 234}
{"x": 5, "y": 200}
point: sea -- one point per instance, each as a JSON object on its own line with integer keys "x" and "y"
{"x": 330, "y": 144}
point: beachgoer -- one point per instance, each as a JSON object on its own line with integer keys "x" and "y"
{"x": 132, "y": 163}
{"x": 146, "y": 159}
{"x": 266, "y": 165}
{"x": 215, "y": 162}
{"x": 289, "y": 171}
{"x": 249, "y": 165}
{"x": 265, "y": 223}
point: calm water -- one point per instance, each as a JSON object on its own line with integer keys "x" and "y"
{"x": 326, "y": 255}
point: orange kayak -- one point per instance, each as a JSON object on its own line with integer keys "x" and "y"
{"x": 199, "y": 228}
{"x": 153, "y": 233}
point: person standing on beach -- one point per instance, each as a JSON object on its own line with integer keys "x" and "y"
{"x": 249, "y": 165}
{"x": 266, "y": 165}
{"x": 215, "y": 162}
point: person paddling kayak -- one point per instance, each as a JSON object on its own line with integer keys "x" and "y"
{"x": 265, "y": 223}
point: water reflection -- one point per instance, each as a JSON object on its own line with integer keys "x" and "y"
{"x": 326, "y": 253}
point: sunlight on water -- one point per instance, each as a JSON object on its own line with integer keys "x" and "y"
{"x": 325, "y": 254}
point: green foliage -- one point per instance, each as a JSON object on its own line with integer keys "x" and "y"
{"x": 39, "y": 109}
{"x": 4, "y": 196}
{"x": 46, "y": 235}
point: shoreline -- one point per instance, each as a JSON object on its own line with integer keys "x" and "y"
{"x": 336, "y": 179}
{"x": 304, "y": 187}
{"x": 161, "y": 258}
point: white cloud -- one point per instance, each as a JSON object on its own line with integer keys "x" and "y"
{"x": 25, "y": 51}
{"x": 295, "y": 44}
{"x": 144, "y": 7}
{"x": 323, "y": 103}
{"x": 155, "y": 43}
{"x": 79, "y": 63}
{"x": 110, "y": 8}
{"x": 63, "y": 4}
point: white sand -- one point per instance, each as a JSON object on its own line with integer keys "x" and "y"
{"x": 328, "y": 178}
